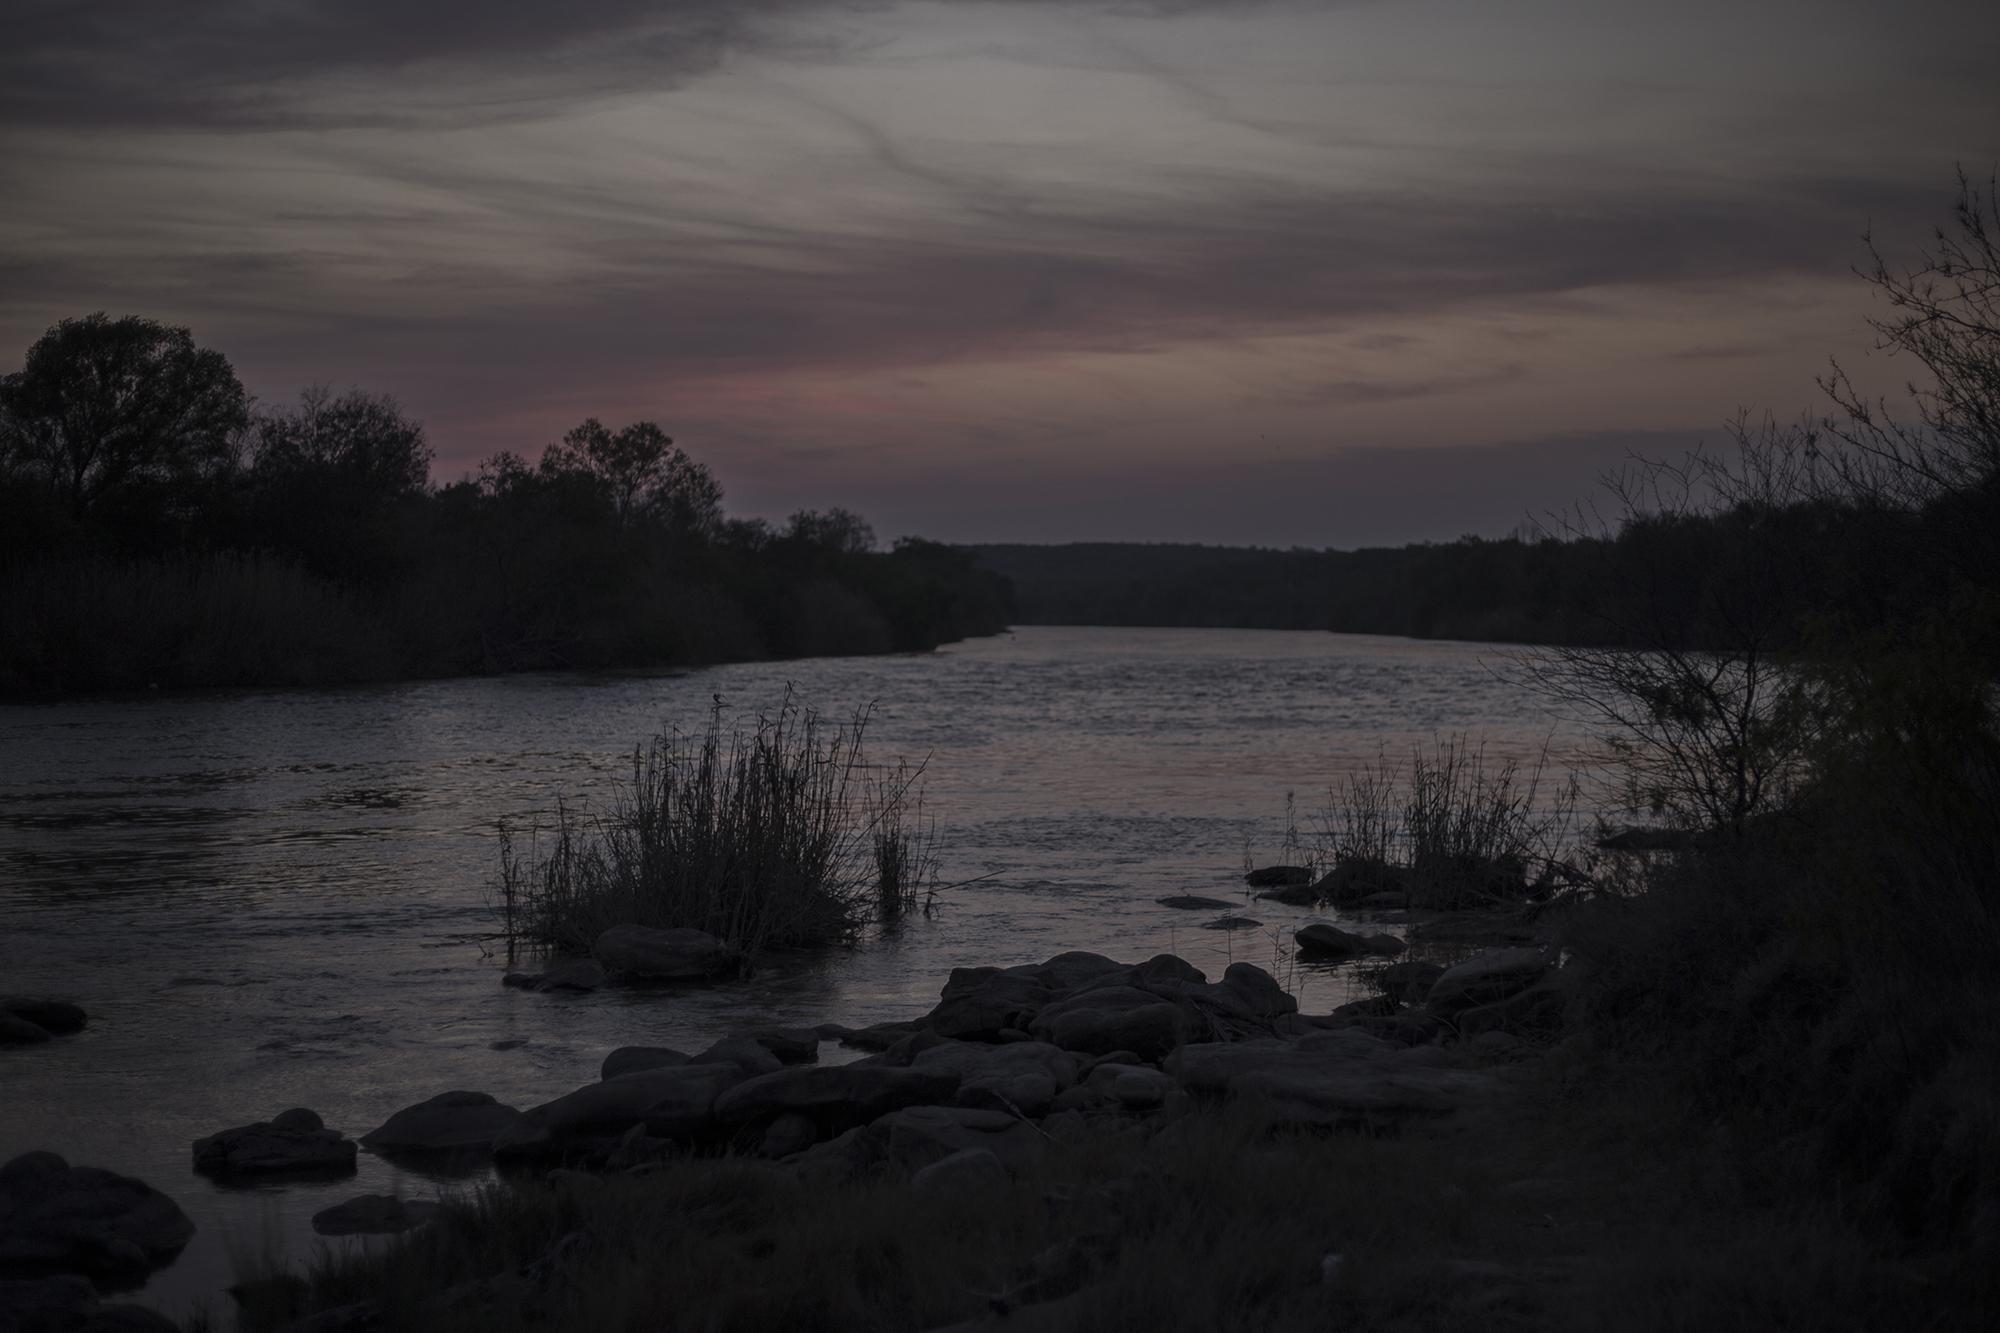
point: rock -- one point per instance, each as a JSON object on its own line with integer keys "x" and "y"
{"x": 293, "y": 1142}
{"x": 982, "y": 1002}
{"x": 1409, "y": 980}
{"x": 577, "y": 974}
{"x": 374, "y": 1215}
{"x": 1484, "y": 928}
{"x": 678, "y": 954}
{"x": 451, "y": 1122}
{"x": 792, "y": 1132}
{"x": 507, "y": 1044}
{"x": 55, "y": 1218}
{"x": 1232, "y": 923}
{"x": 1112, "y": 1018}
{"x": 916, "y": 1136}
{"x": 834, "y": 1096}
{"x": 969, "y": 1171}
{"x": 1070, "y": 971}
{"x": 1024, "y": 1077}
{"x": 1373, "y": 1006}
{"x": 632, "y": 1059}
{"x": 676, "y": 1103}
{"x": 1356, "y": 879}
{"x": 1294, "y": 895}
{"x": 1537, "y": 1011}
{"x": 58, "y": 1018}
{"x": 67, "y": 1303}
{"x": 1278, "y": 877}
{"x": 1135, "y": 1089}
{"x": 1493, "y": 975}
{"x": 1188, "y": 902}
{"x": 17, "y": 1031}
{"x": 1323, "y": 939}
{"x": 747, "y": 1054}
{"x": 792, "y": 1046}
{"x": 1339, "y": 1078}
{"x": 877, "y": 1036}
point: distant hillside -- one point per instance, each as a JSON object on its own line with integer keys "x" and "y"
{"x": 1505, "y": 590}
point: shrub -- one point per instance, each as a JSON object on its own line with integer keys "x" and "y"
{"x": 780, "y": 836}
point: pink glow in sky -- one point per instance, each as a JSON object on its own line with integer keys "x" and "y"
{"x": 1324, "y": 274}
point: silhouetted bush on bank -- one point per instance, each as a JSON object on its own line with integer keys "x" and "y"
{"x": 778, "y": 836}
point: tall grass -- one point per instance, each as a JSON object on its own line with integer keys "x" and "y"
{"x": 1452, "y": 829}
{"x": 775, "y": 836}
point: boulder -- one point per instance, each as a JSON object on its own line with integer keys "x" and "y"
{"x": 1356, "y": 879}
{"x": 1323, "y": 939}
{"x": 1073, "y": 970}
{"x": 1338, "y": 1078}
{"x": 632, "y": 1059}
{"x": 1278, "y": 877}
{"x": 451, "y": 1122}
{"x": 792, "y": 1132}
{"x": 55, "y": 1218}
{"x": 969, "y": 1171}
{"x": 643, "y": 953}
{"x": 1112, "y": 1018}
{"x": 675, "y": 1103}
{"x": 876, "y": 1036}
{"x": 292, "y": 1143}
{"x": 58, "y": 1018}
{"x": 1493, "y": 975}
{"x": 374, "y": 1215}
{"x": 1408, "y": 980}
{"x": 1188, "y": 902}
{"x": 835, "y": 1096}
{"x": 916, "y": 1136}
{"x": 1133, "y": 1089}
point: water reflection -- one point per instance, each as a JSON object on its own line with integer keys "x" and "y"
{"x": 273, "y": 899}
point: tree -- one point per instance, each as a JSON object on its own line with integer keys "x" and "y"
{"x": 644, "y": 474}
{"x": 104, "y": 405}
{"x": 359, "y": 441}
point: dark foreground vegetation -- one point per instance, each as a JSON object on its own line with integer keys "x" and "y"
{"x": 157, "y": 529}
{"x": 1749, "y": 1079}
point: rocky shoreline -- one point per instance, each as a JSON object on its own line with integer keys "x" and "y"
{"x": 1009, "y": 1061}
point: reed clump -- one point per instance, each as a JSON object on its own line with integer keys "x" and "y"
{"x": 1450, "y": 830}
{"x": 776, "y": 835}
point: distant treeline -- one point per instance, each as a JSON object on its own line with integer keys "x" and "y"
{"x": 1678, "y": 575}
{"x": 156, "y": 529}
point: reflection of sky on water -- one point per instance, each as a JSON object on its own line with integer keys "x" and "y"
{"x": 275, "y": 899}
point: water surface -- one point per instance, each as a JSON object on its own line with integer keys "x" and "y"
{"x": 282, "y": 898}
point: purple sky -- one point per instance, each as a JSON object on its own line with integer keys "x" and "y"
{"x": 1323, "y": 274}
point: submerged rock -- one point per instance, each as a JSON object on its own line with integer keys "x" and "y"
{"x": 451, "y": 1122}
{"x": 643, "y": 953}
{"x": 1188, "y": 902}
{"x": 374, "y": 1215}
{"x": 56, "y": 1218}
{"x": 1277, "y": 877}
{"x": 58, "y": 1018}
{"x": 1323, "y": 939}
{"x": 294, "y": 1142}
{"x": 18, "y": 1031}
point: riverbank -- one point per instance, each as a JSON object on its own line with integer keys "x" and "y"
{"x": 1314, "y": 1176}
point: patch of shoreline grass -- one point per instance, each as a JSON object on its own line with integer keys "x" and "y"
{"x": 780, "y": 835}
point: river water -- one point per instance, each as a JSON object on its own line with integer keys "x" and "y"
{"x": 276, "y": 899}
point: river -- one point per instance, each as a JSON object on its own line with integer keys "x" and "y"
{"x": 269, "y": 899}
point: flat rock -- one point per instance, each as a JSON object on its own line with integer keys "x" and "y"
{"x": 1343, "y": 1077}
{"x": 1112, "y": 1018}
{"x": 674, "y": 1103}
{"x": 1188, "y": 902}
{"x": 1278, "y": 877}
{"x": 680, "y": 953}
{"x": 294, "y": 1142}
{"x": 451, "y": 1122}
{"x": 633, "y": 1059}
{"x": 56, "y": 1218}
{"x": 374, "y": 1215}
{"x": 1493, "y": 975}
{"x": 58, "y": 1018}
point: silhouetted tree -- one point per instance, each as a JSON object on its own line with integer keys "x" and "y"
{"x": 331, "y": 475}
{"x": 103, "y": 405}
{"x": 646, "y": 476}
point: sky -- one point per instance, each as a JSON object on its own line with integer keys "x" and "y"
{"x": 1321, "y": 273}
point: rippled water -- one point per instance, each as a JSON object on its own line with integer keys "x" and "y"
{"x": 279, "y": 899}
